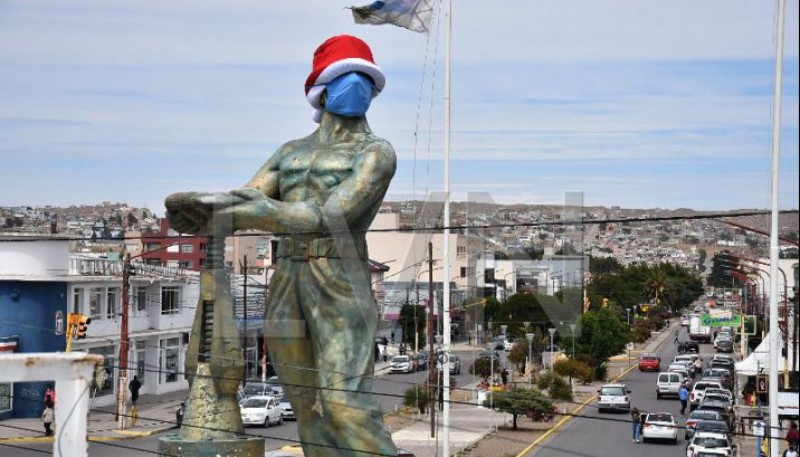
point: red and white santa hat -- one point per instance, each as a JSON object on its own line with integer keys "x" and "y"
{"x": 333, "y": 58}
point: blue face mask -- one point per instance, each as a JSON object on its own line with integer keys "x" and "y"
{"x": 349, "y": 95}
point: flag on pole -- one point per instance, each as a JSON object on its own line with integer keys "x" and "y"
{"x": 412, "y": 14}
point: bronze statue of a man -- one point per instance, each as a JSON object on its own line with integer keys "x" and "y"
{"x": 321, "y": 193}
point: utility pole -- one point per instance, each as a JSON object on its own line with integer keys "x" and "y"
{"x": 244, "y": 312}
{"x": 122, "y": 388}
{"x": 431, "y": 355}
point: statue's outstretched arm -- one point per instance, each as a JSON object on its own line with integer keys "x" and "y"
{"x": 351, "y": 199}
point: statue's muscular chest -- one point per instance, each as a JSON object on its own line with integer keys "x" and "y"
{"x": 313, "y": 173}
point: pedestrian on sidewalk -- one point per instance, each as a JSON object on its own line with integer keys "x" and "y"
{"x": 635, "y": 425}
{"x": 683, "y": 395}
{"x": 791, "y": 452}
{"x": 48, "y": 416}
{"x": 134, "y": 387}
{"x": 792, "y": 435}
{"x": 504, "y": 376}
{"x": 50, "y": 395}
{"x": 676, "y": 337}
{"x": 392, "y": 336}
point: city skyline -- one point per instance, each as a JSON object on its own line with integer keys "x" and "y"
{"x": 636, "y": 105}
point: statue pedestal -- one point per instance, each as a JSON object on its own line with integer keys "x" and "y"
{"x": 174, "y": 445}
{"x": 212, "y": 424}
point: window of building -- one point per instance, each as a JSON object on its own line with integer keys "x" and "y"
{"x": 141, "y": 299}
{"x": 168, "y": 365}
{"x": 186, "y": 264}
{"x": 187, "y": 248}
{"x": 463, "y": 272}
{"x": 140, "y": 361}
{"x": 170, "y": 300}
{"x": 77, "y": 300}
{"x": 150, "y": 247}
{"x": 96, "y": 303}
{"x": 106, "y": 387}
{"x": 6, "y": 394}
{"x": 112, "y": 302}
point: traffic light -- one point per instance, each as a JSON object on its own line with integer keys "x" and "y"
{"x": 82, "y": 322}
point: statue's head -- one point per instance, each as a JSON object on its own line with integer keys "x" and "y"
{"x": 344, "y": 78}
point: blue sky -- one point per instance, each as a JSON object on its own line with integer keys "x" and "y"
{"x": 637, "y": 104}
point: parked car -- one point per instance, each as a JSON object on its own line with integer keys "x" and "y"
{"x": 689, "y": 358}
{"x": 687, "y": 375}
{"x": 401, "y": 364}
{"x": 723, "y": 392}
{"x": 724, "y": 344}
{"x": 660, "y": 426}
{"x": 709, "y": 441}
{"x": 420, "y": 361}
{"x": 455, "y": 363}
{"x": 728, "y": 364}
{"x": 274, "y": 383}
{"x": 668, "y": 383}
{"x": 685, "y": 319}
{"x": 613, "y": 397}
{"x": 261, "y": 410}
{"x": 709, "y": 425}
{"x": 649, "y": 362}
{"x": 256, "y": 389}
{"x": 698, "y": 416}
{"x": 698, "y": 390}
{"x": 722, "y": 407}
{"x": 508, "y": 344}
{"x": 286, "y": 407}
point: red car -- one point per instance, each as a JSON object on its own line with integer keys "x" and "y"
{"x": 649, "y": 363}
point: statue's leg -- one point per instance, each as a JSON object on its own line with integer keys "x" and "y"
{"x": 291, "y": 353}
{"x": 338, "y": 303}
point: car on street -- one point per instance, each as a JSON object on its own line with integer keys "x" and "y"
{"x": 614, "y": 397}
{"x": 687, "y": 375}
{"x": 722, "y": 407}
{"x": 698, "y": 391}
{"x": 688, "y": 346}
{"x": 723, "y": 392}
{"x": 499, "y": 343}
{"x": 401, "y": 364}
{"x": 668, "y": 383}
{"x": 255, "y": 389}
{"x": 660, "y": 426}
{"x": 286, "y": 407}
{"x": 729, "y": 365}
{"x": 685, "y": 319}
{"x": 508, "y": 344}
{"x": 420, "y": 360}
{"x": 649, "y": 362}
{"x": 698, "y": 416}
{"x": 709, "y": 441}
{"x": 261, "y": 410}
{"x": 275, "y": 384}
{"x": 455, "y": 363}
{"x": 689, "y": 358}
{"x": 722, "y": 344}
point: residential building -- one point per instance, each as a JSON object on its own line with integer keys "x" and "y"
{"x": 42, "y": 281}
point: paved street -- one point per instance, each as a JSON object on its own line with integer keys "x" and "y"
{"x": 609, "y": 435}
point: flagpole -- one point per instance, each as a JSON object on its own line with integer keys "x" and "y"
{"x": 774, "y": 249}
{"x": 446, "y": 247}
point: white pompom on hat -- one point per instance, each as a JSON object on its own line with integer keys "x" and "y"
{"x": 336, "y": 56}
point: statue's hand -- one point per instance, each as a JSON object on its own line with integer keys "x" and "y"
{"x": 193, "y": 212}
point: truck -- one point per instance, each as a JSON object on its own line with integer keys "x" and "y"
{"x": 697, "y": 331}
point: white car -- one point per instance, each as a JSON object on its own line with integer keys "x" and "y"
{"x": 660, "y": 426}
{"x": 262, "y": 411}
{"x": 508, "y": 344}
{"x": 288, "y": 412}
{"x": 401, "y": 364}
{"x": 614, "y": 397}
{"x": 709, "y": 442}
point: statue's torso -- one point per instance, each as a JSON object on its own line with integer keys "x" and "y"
{"x": 310, "y": 172}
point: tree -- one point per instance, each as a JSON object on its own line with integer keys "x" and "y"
{"x": 603, "y": 335}
{"x": 481, "y": 367}
{"x": 604, "y": 265}
{"x": 413, "y": 317}
{"x": 417, "y": 397}
{"x": 519, "y": 401}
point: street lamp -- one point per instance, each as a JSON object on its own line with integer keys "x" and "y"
{"x": 628, "y": 311}
{"x": 552, "y": 332}
{"x": 572, "y": 354}
{"x": 529, "y": 365}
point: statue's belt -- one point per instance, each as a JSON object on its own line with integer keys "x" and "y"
{"x": 332, "y": 248}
